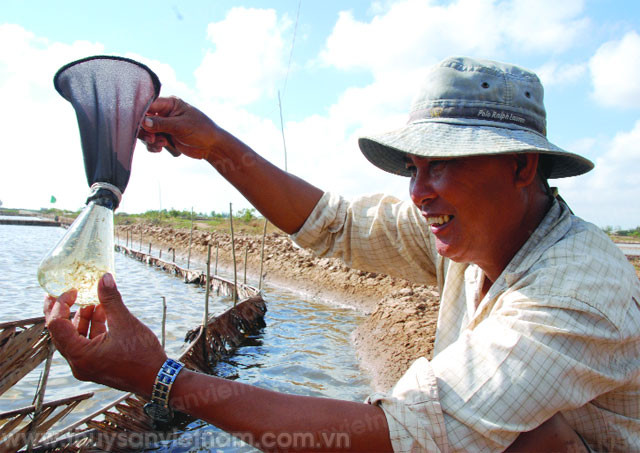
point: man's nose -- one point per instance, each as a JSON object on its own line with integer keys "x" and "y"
{"x": 421, "y": 189}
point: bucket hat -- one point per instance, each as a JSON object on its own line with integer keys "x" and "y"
{"x": 471, "y": 107}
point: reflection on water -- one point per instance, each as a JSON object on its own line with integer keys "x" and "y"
{"x": 303, "y": 350}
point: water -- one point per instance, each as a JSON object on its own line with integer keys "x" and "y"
{"x": 304, "y": 349}
{"x": 629, "y": 249}
{"x": 18, "y": 217}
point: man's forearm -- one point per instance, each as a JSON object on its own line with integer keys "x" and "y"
{"x": 283, "y": 198}
{"x": 271, "y": 419}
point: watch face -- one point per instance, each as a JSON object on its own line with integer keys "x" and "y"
{"x": 158, "y": 413}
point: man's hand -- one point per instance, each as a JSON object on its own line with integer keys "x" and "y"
{"x": 105, "y": 343}
{"x": 181, "y": 128}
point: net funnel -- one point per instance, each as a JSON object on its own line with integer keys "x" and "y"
{"x": 110, "y": 96}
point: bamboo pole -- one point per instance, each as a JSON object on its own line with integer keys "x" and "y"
{"x": 205, "y": 317}
{"x": 233, "y": 252}
{"x": 164, "y": 319}
{"x": 190, "y": 240}
{"x": 140, "y": 240}
{"x": 173, "y": 250}
{"x": 42, "y": 387}
{"x": 284, "y": 144}
{"x": 215, "y": 271}
{"x": 246, "y": 254}
{"x": 149, "y": 249}
{"x": 264, "y": 234}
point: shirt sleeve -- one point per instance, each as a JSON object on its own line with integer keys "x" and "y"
{"x": 375, "y": 233}
{"x": 413, "y": 411}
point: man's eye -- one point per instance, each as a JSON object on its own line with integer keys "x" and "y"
{"x": 411, "y": 168}
{"x": 437, "y": 166}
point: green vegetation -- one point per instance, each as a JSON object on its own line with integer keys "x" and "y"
{"x": 244, "y": 221}
{"x": 618, "y": 233}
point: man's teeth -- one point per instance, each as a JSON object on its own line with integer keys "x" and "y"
{"x": 438, "y": 220}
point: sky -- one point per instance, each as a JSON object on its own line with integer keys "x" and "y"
{"x": 337, "y": 69}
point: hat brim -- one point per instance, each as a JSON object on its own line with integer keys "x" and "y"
{"x": 444, "y": 140}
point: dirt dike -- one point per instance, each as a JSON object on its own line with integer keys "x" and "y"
{"x": 400, "y": 325}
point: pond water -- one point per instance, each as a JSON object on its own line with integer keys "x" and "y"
{"x": 305, "y": 348}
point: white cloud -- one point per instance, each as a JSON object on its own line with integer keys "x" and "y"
{"x": 42, "y": 155}
{"x": 610, "y": 190}
{"x": 554, "y": 73}
{"x": 167, "y": 75}
{"x": 615, "y": 72}
{"x": 540, "y": 25}
{"x": 412, "y": 33}
{"x": 249, "y": 56}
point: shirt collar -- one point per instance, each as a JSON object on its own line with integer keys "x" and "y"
{"x": 554, "y": 226}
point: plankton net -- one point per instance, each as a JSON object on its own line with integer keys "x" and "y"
{"x": 110, "y": 96}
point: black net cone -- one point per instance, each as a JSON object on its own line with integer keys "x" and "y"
{"x": 110, "y": 96}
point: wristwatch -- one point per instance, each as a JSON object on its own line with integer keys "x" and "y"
{"x": 158, "y": 408}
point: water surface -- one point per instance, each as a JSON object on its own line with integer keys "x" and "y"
{"x": 304, "y": 349}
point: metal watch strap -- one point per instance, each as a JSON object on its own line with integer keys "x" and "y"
{"x": 158, "y": 408}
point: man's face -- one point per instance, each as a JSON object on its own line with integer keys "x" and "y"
{"x": 471, "y": 204}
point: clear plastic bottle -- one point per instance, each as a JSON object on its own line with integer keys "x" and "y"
{"x": 82, "y": 256}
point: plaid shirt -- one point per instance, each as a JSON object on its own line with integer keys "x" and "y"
{"x": 559, "y": 330}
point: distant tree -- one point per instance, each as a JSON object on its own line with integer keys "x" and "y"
{"x": 246, "y": 214}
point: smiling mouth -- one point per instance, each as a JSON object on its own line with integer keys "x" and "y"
{"x": 436, "y": 221}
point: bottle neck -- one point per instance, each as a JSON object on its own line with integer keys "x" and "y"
{"x": 105, "y": 198}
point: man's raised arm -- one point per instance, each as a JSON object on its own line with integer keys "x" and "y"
{"x": 283, "y": 198}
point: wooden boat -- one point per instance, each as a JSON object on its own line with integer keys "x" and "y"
{"x": 121, "y": 425}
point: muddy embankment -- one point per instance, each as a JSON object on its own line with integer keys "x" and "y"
{"x": 402, "y": 316}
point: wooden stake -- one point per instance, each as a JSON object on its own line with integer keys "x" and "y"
{"x": 140, "y": 239}
{"x": 284, "y": 144}
{"x": 233, "y": 250}
{"x": 205, "y": 318}
{"x": 190, "y": 240}
{"x": 246, "y": 254}
{"x": 42, "y": 387}
{"x": 264, "y": 234}
{"x": 149, "y": 248}
{"x": 164, "y": 319}
{"x": 215, "y": 271}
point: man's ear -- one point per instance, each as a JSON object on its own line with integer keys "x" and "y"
{"x": 526, "y": 168}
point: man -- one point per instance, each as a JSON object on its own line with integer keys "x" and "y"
{"x": 538, "y": 340}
